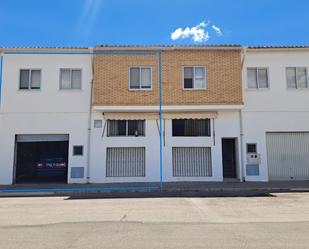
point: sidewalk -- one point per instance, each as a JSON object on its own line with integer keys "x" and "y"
{"x": 188, "y": 189}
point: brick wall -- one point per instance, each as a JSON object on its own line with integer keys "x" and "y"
{"x": 111, "y": 78}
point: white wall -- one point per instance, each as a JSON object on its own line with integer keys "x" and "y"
{"x": 276, "y": 108}
{"x": 45, "y": 111}
{"x": 226, "y": 126}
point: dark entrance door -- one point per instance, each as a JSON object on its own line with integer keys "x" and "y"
{"x": 229, "y": 157}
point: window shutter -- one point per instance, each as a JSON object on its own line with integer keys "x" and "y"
{"x": 65, "y": 79}
{"x": 145, "y": 78}
{"x": 35, "y": 79}
{"x": 24, "y": 79}
{"x": 76, "y": 79}
{"x": 134, "y": 78}
{"x": 252, "y": 78}
{"x": 263, "y": 78}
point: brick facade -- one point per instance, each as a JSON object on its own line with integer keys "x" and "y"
{"x": 111, "y": 78}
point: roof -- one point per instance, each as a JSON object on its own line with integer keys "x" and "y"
{"x": 280, "y": 47}
{"x": 168, "y": 47}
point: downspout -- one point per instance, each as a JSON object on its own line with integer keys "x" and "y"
{"x": 89, "y": 120}
{"x": 160, "y": 114}
{"x": 241, "y": 129}
{"x": 1, "y": 68}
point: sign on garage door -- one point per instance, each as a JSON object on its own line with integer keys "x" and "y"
{"x": 288, "y": 155}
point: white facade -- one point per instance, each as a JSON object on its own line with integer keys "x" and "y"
{"x": 52, "y": 111}
{"x": 225, "y": 125}
{"x": 276, "y": 109}
{"x": 48, "y": 110}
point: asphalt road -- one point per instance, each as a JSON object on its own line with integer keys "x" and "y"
{"x": 281, "y": 222}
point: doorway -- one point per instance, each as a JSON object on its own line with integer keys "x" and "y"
{"x": 229, "y": 157}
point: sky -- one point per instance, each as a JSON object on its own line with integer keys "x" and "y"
{"x": 153, "y": 22}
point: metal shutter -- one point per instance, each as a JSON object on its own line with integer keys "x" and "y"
{"x": 288, "y": 155}
{"x": 42, "y": 138}
{"x": 125, "y": 162}
{"x": 191, "y": 161}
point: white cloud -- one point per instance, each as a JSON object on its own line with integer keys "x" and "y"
{"x": 197, "y": 33}
{"x": 217, "y": 30}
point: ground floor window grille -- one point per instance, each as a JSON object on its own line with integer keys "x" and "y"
{"x": 191, "y": 161}
{"x": 125, "y": 162}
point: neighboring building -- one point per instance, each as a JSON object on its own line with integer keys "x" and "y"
{"x": 93, "y": 114}
{"x": 276, "y": 112}
{"x": 44, "y": 112}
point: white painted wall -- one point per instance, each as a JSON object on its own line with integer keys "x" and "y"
{"x": 45, "y": 111}
{"x": 276, "y": 108}
{"x": 226, "y": 126}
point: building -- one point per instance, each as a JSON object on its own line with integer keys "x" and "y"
{"x": 276, "y": 113}
{"x": 201, "y": 100}
{"x": 44, "y": 111}
{"x": 81, "y": 115}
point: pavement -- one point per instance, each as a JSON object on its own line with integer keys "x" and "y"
{"x": 277, "y": 220}
{"x": 170, "y": 189}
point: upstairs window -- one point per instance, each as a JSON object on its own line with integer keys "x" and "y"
{"x": 140, "y": 78}
{"x": 194, "y": 78}
{"x": 29, "y": 79}
{"x": 118, "y": 128}
{"x": 257, "y": 78}
{"x": 296, "y": 77}
{"x": 191, "y": 127}
{"x": 70, "y": 78}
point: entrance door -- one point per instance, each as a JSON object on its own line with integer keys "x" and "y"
{"x": 229, "y": 157}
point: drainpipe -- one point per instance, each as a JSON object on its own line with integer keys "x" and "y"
{"x": 1, "y": 68}
{"x": 89, "y": 119}
{"x": 161, "y": 125}
{"x": 241, "y": 130}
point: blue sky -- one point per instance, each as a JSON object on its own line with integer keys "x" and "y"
{"x": 148, "y": 22}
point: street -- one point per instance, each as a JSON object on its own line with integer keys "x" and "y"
{"x": 277, "y": 221}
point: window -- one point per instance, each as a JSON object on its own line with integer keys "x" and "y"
{"x": 70, "y": 78}
{"x": 140, "y": 78}
{"x": 257, "y": 78}
{"x": 191, "y": 127}
{"x": 251, "y": 148}
{"x": 29, "y": 79}
{"x": 116, "y": 128}
{"x": 194, "y": 78}
{"x": 97, "y": 123}
{"x": 78, "y": 150}
{"x": 296, "y": 77}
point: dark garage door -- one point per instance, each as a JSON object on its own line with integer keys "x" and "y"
{"x": 41, "y": 158}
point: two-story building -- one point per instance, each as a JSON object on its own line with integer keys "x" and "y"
{"x": 201, "y": 98}
{"x": 45, "y": 102}
{"x": 276, "y": 113}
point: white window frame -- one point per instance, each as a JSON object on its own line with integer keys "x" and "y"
{"x": 29, "y": 79}
{"x": 257, "y": 79}
{"x": 296, "y": 68}
{"x": 193, "y": 88}
{"x": 71, "y": 71}
{"x": 140, "y": 77}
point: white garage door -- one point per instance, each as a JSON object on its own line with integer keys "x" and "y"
{"x": 288, "y": 155}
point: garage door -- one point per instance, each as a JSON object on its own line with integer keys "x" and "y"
{"x": 41, "y": 158}
{"x": 288, "y": 155}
